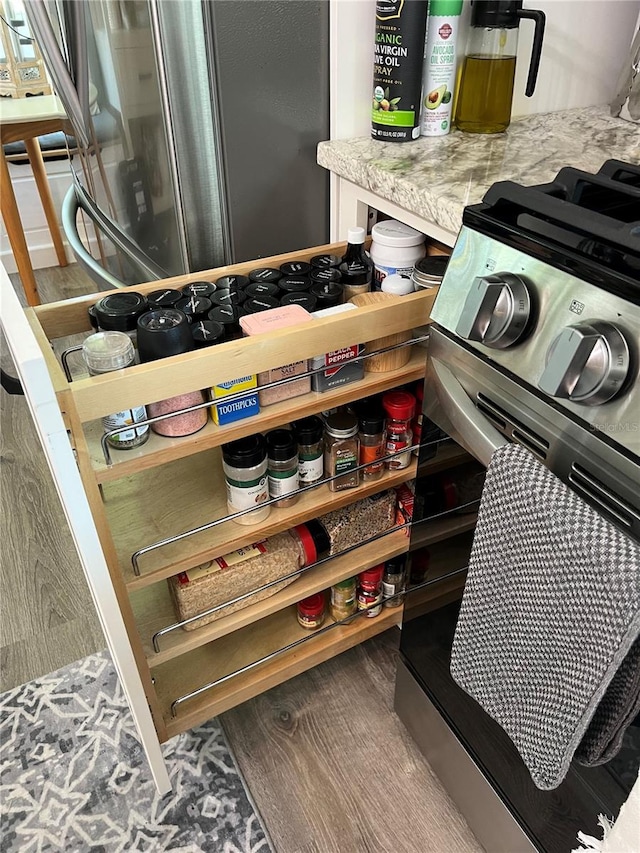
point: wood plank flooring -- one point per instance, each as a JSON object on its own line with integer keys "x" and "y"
{"x": 329, "y": 765}
{"x": 332, "y": 769}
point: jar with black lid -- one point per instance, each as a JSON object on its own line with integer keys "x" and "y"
{"x": 295, "y": 284}
{"x": 232, "y": 282}
{"x": 162, "y": 333}
{"x": 167, "y": 298}
{"x": 262, "y": 288}
{"x": 325, "y": 275}
{"x": 207, "y": 333}
{"x": 328, "y": 294}
{"x": 324, "y": 261}
{"x": 199, "y": 288}
{"x": 309, "y": 434}
{"x": 245, "y": 469}
{"x": 229, "y": 297}
{"x": 229, "y": 316}
{"x": 295, "y": 268}
{"x": 429, "y": 271}
{"x": 118, "y": 312}
{"x": 260, "y": 303}
{"x": 342, "y": 451}
{"x": 307, "y": 300}
{"x": 372, "y": 443}
{"x": 265, "y": 274}
{"x": 282, "y": 464}
{"x": 195, "y": 307}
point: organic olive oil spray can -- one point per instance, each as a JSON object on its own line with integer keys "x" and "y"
{"x": 397, "y": 69}
{"x": 439, "y": 72}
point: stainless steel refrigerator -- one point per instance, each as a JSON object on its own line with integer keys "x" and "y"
{"x": 192, "y": 127}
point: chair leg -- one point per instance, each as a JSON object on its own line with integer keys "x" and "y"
{"x": 13, "y": 225}
{"x": 42, "y": 183}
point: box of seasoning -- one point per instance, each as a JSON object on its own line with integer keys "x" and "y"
{"x": 340, "y": 366}
{"x": 271, "y": 321}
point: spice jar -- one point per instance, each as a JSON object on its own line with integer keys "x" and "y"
{"x": 282, "y": 466}
{"x": 312, "y": 611}
{"x": 244, "y": 463}
{"x": 118, "y": 312}
{"x": 262, "y": 288}
{"x": 342, "y": 451}
{"x": 102, "y": 353}
{"x": 324, "y": 261}
{"x": 308, "y": 433}
{"x": 429, "y": 271}
{"x": 267, "y": 274}
{"x": 400, "y": 407}
{"x": 232, "y": 282}
{"x": 393, "y": 581}
{"x": 370, "y": 590}
{"x": 229, "y": 316}
{"x": 372, "y": 444}
{"x": 295, "y": 268}
{"x": 328, "y": 293}
{"x": 165, "y": 332}
{"x": 167, "y": 298}
{"x": 295, "y": 284}
{"x": 343, "y": 602}
{"x": 207, "y": 333}
{"x": 306, "y": 300}
{"x": 199, "y": 288}
{"x": 255, "y": 304}
{"x": 195, "y": 307}
{"x": 357, "y": 522}
{"x": 229, "y": 297}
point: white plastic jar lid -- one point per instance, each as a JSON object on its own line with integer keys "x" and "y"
{"x": 394, "y": 233}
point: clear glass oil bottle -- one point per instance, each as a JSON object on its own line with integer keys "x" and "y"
{"x": 486, "y": 85}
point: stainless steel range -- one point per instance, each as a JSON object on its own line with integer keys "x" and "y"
{"x": 535, "y": 340}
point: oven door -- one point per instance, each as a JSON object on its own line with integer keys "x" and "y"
{"x": 482, "y": 409}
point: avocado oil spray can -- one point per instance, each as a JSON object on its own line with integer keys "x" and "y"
{"x": 397, "y": 69}
{"x": 439, "y": 72}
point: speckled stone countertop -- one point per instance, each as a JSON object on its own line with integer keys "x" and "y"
{"x": 436, "y": 178}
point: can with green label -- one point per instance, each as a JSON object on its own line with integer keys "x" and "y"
{"x": 397, "y": 69}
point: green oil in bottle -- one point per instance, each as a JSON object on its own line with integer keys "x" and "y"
{"x": 485, "y": 93}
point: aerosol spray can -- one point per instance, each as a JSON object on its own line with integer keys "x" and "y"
{"x": 397, "y": 69}
{"x": 439, "y": 73}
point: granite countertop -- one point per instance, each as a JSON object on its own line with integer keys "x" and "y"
{"x": 436, "y": 178}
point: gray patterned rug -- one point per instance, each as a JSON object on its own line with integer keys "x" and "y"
{"x": 73, "y": 776}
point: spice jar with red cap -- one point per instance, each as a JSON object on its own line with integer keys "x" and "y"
{"x": 399, "y": 407}
{"x": 312, "y": 611}
{"x": 370, "y": 590}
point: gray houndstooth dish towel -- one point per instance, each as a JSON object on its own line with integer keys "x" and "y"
{"x": 550, "y": 611}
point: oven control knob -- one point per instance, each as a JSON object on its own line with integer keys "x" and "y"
{"x": 587, "y": 363}
{"x": 496, "y": 310}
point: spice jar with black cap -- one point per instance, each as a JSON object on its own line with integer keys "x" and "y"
{"x": 325, "y": 261}
{"x": 167, "y": 298}
{"x": 342, "y": 451}
{"x": 282, "y": 465}
{"x": 327, "y": 293}
{"x": 255, "y": 304}
{"x": 195, "y": 307}
{"x": 309, "y": 434}
{"x": 323, "y": 275}
{"x": 199, "y": 288}
{"x": 229, "y": 297}
{"x": 306, "y": 300}
{"x": 244, "y": 463}
{"x": 295, "y": 268}
{"x": 232, "y": 282}
{"x": 162, "y": 333}
{"x": 262, "y": 288}
{"x": 265, "y": 274}
{"x": 207, "y": 333}
{"x": 118, "y": 312}
{"x": 295, "y": 284}
{"x": 229, "y": 316}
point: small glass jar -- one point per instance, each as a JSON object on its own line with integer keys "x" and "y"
{"x": 244, "y": 463}
{"x": 342, "y": 451}
{"x": 393, "y": 581}
{"x": 372, "y": 445}
{"x": 312, "y": 611}
{"x": 309, "y": 433}
{"x": 343, "y": 600}
{"x": 400, "y": 407}
{"x": 282, "y": 465}
{"x": 103, "y": 353}
{"x": 370, "y": 590}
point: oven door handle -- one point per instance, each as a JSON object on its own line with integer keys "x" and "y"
{"x": 447, "y": 403}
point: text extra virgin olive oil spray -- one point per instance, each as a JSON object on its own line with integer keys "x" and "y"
{"x": 397, "y": 69}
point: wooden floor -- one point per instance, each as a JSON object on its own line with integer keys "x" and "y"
{"x": 329, "y": 765}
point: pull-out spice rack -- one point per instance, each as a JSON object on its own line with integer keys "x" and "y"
{"x": 168, "y": 487}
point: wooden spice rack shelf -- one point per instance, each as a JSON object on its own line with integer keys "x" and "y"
{"x": 169, "y": 486}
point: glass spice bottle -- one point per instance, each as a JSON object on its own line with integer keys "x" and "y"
{"x": 370, "y": 590}
{"x": 282, "y": 462}
{"x": 102, "y": 353}
{"x": 312, "y": 611}
{"x": 399, "y": 406}
{"x": 342, "y": 451}
{"x": 309, "y": 432}
{"x": 372, "y": 445}
{"x": 343, "y": 600}
{"x": 393, "y": 581}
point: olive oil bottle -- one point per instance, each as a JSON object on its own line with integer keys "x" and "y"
{"x": 397, "y": 69}
{"x": 485, "y": 94}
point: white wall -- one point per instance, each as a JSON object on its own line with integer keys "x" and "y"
{"x": 585, "y": 45}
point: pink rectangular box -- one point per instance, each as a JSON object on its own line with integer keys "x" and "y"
{"x": 270, "y": 321}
